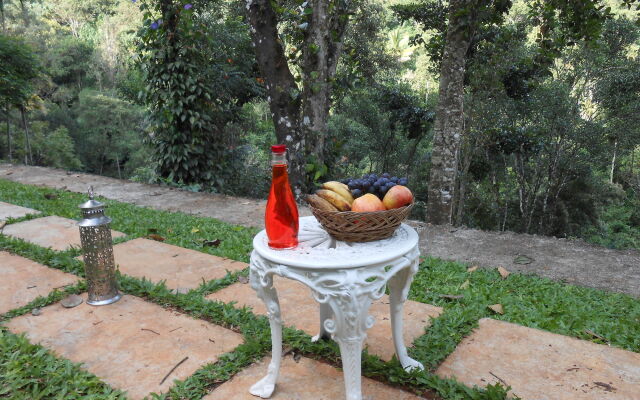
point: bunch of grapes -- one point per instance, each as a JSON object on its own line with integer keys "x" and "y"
{"x": 372, "y": 183}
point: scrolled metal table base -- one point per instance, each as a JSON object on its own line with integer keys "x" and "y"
{"x": 345, "y": 295}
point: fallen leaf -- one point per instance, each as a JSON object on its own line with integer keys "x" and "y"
{"x": 243, "y": 279}
{"x": 595, "y": 335}
{"x": 606, "y": 386}
{"x": 158, "y": 238}
{"x": 71, "y": 301}
{"x": 497, "y": 308}
{"x": 36, "y": 311}
{"x": 522, "y": 259}
{"x": 503, "y": 272}
{"x": 170, "y": 230}
{"x": 3, "y": 224}
{"x": 211, "y": 243}
{"x": 452, "y": 296}
{"x": 50, "y": 196}
{"x": 472, "y": 269}
{"x": 195, "y": 230}
{"x": 9, "y": 173}
{"x": 465, "y": 284}
{"x": 180, "y": 290}
{"x": 297, "y": 357}
{"x": 152, "y": 230}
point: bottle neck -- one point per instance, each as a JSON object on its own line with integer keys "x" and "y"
{"x": 278, "y": 159}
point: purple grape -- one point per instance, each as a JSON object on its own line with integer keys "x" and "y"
{"x": 403, "y": 181}
{"x": 394, "y": 179}
{"x": 371, "y": 189}
{"x": 352, "y": 184}
{"x": 386, "y": 175}
{"x": 356, "y": 193}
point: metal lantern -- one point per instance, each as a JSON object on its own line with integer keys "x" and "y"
{"x": 99, "y": 265}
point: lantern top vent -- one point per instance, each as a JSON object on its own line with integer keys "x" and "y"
{"x": 93, "y": 212}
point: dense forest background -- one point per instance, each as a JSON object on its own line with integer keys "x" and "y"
{"x": 86, "y": 85}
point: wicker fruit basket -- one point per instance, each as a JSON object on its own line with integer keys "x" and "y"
{"x": 349, "y": 226}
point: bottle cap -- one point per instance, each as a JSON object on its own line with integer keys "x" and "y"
{"x": 278, "y": 148}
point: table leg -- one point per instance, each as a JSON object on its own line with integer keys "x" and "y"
{"x": 398, "y": 291}
{"x": 325, "y": 314}
{"x": 265, "y": 387}
{"x": 349, "y": 330}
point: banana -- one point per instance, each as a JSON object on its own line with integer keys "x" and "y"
{"x": 340, "y": 188}
{"x": 318, "y": 202}
{"x": 334, "y": 198}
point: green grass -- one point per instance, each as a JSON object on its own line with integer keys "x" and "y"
{"x": 527, "y": 300}
{"x": 179, "y": 229}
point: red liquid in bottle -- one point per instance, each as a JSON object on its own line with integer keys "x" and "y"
{"x": 281, "y": 217}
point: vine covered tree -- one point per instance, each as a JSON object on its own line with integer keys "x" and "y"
{"x": 197, "y": 68}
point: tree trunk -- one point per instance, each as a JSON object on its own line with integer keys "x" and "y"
{"x": 9, "y": 144}
{"x": 4, "y": 26}
{"x": 633, "y": 160}
{"x": 613, "y": 161}
{"x": 321, "y": 51}
{"x": 299, "y": 114}
{"x": 26, "y": 135}
{"x": 462, "y": 187}
{"x": 118, "y": 166}
{"x": 449, "y": 122}
{"x": 282, "y": 90}
{"x": 25, "y": 13}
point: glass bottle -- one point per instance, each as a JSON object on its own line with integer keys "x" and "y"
{"x": 281, "y": 216}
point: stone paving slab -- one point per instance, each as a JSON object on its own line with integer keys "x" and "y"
{"x": 23, "y": 280}
{"x": 131, "y": 344}
{"x": 305, "y": 380}
{"x": 540, "y": 365}
{"x": 181, "y": 268}
{"x": 299, "y": 309}
{"x": 8, "y": 210}
{"x": 55, "y": 232}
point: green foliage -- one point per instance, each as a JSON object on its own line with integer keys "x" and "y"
{"x": 52, "y": 147}
{"x": 70, "y": 62}
{"x": 18, "y": 68}
{"x": 198, "y": 74}
{"x": 619, "y": 224}
{"x": 109, "y": 133}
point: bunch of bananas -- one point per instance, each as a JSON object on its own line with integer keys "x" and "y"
{"x": 334, "y": 196}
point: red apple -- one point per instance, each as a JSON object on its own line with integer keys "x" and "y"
{"x": 366, "y": 203}
{"x": 398, "y": 196}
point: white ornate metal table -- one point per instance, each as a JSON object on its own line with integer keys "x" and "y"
{"x": 344, "y": 278}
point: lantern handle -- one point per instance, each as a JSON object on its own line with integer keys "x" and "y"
{"x": 90, "y": 191}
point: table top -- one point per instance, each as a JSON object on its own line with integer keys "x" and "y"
{"x": 318, "y": 250}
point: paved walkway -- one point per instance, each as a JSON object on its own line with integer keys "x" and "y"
{"x": 141, "y": 341}
{"x": 571, "y": 261}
